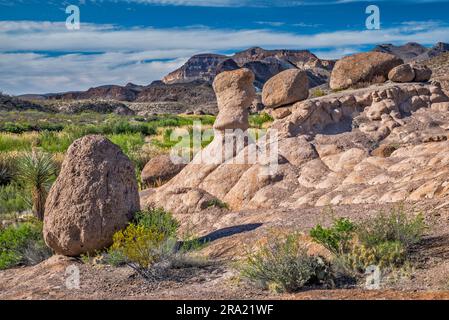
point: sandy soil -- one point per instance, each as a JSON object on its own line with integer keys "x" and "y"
{"x": 427, "y": 279}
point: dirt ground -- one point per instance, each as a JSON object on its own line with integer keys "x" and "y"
{"x": 228, "y": 234}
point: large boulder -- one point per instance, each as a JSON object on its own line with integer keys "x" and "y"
{"x": 422, "y": 73}
{"x": 367, "y": 67}
{"x": 285, "y": 88}
{"x": 235, "y": 94}
{"x": 161, "y": 169}
{"x": 95, "y": 195}
{"x": 402, "y": 73}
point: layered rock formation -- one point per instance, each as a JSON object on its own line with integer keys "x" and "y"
{"x": 380, "y": 144}
{"x": 263, "y": 63}
{"x": 95, "y": 195}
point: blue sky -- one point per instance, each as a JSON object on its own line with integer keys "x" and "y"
{"x": 140, "y": 41}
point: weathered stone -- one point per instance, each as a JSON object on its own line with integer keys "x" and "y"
{"x": 402, "y": 73}
{"x": 368, "y": 67}
{"x": 95, "y": 195}
{"x": 285, "y": 88}
{"x": 422, "y": 73}
{"x": 235, "y": 94}
{"x": 161, "y": 168}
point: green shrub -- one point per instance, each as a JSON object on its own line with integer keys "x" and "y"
{"x": 258, "y": 120}
{"x": 396, "y": 226}
{"x": 383, "y": 240}
{"x": 160, "y": 220}
{"x": 283, "y": 265}
{"x": 22, "y": 244}
{"x": 337, "y": 238}
{"x": 13, "y": 199}
{"x": 217, "y": 203}
{"x": 7, "y": 169}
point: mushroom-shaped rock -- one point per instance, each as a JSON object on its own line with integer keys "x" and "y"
{"x": 94, "y": 196}
{"x": 285, "y": 88}
{"x": 162, "y": 168}
{"x": 367, "y": 67}
{"x": 402, "y": 73}
{"x": 235, "y": 94}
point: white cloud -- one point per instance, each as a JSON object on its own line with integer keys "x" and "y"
{"x": 122, "y": 55}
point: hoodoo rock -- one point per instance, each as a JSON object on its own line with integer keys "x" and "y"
{"x": 363, "y": 68}
{"x": 235, "y": 95}
{"x": 285, "y": 88}
{"x": 95, "y": 195}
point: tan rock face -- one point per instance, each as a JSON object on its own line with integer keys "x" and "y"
{"x": 368, "y": 67}
{"x": 161, "y": 168}
{"x": 285, "y": 88}
{"x": 95, "y": 195}
{"x": 235, "y": 95}
{"x": 402, "y": 73}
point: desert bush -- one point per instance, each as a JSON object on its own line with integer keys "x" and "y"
{"x": 258, "y": 120}
{"x": 337, "y": 238}
{"x": 318, "y": 93}
{"x": 7, "y": 169}
{"x": 13, "y": 199}
{"x": 383, "y": 240}
{"x": 217, "y": 203}
{"x": 395, "y": 226}
{"x": 22, "y": 244}
{"x": 283, "y": 264}
{"x": 149, "y": 246}
{"x": 158, "y": 219}
{"x": 37, "y": 171}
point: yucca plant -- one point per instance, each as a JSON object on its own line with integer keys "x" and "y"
{"x": 37, "y": 171}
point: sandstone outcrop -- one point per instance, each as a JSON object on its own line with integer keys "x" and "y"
{"x": 379, "y": 144}
{"x": 95, "y": 195}
{"x": 363, "y": 68}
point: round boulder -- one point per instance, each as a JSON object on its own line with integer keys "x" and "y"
{"x": 402, "y": 73}
{"x": 285, "y": 88}
{"x": 422, "y": 73}
{"x": 94, "y": 196}
{"x": 161, "y": 168}
{"x": 363, "y": 68}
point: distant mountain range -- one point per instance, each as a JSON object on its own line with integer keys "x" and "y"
{"x": 413, "y": 51}
{"x": 191, "y": 83}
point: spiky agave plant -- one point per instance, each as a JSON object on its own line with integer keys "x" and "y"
{"x": 37, "y": 171}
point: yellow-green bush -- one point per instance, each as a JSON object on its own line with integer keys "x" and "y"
{"x": 139, "y": 245}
